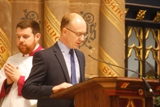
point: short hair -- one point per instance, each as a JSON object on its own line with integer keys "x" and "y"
{"x": 67, "y": 18}
{"x": 65, "y": 21}
{"x": 29, "y": 23}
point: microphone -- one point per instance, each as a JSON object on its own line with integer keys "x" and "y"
{"x": 146, "y": 83}
{"x": 114, "y": 65}
{"x": 150, "y": 67}
{"x": 148, "y": 86}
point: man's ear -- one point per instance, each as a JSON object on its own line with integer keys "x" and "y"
{"x": 38, "y": 36}
{"x": 64, "y": 30}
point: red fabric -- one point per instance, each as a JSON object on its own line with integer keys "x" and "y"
{"x": 20, "y": 85}
{"x": 38, "y": 49}
{"x": 3, "y": 91}
{"x": 22, "y": 78}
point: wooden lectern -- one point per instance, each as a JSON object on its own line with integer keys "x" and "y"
{"x": 111, "y": 92}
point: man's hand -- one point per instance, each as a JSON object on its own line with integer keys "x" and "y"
{"x": 9, "y": 80}
{"x": 60, "y": 87}
{"x": 12, "y": 73}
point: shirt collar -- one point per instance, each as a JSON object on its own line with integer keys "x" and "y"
{"x": 63, "y": 48}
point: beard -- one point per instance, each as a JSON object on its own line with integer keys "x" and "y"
{"x": 24, "y": 49}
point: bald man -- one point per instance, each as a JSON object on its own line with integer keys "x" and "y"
{"x": 51, "y": 71}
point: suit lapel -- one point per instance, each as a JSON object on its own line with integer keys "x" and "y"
{"x": 61, "y": 60}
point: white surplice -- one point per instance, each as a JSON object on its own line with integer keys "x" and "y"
{"x": 24, "y": 64}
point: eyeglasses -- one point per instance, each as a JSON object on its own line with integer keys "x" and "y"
{"x": 79, "y": 35}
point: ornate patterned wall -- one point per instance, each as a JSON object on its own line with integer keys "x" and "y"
{"x": 105, "y": 22}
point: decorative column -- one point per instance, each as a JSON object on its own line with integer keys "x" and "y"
{"x": 53, "y": 13}
{"x": 112, "y": 36}
{"x": 5, "y": 31}
{"x": 26, "y": 9}
{"x": 89, "y": 10}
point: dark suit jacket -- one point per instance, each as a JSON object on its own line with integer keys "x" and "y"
{"x": 49, "y": 69}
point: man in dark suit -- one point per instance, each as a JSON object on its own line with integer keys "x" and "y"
{"x": 51, "y": 71}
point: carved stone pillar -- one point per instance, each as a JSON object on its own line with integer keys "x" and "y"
{"x": 112, "y": 36}
{"x": 54, "y": 11}
{"x": 5, "y": 31}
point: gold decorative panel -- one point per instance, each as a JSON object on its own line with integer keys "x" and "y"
{"x": 145, "y": 44}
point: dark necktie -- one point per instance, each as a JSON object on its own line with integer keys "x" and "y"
{"x": 73, "y": 69}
